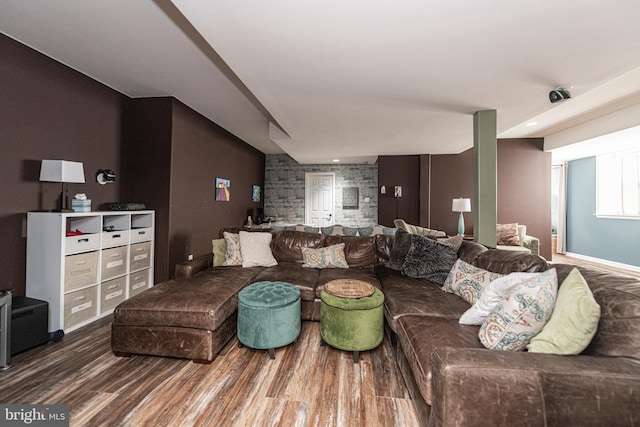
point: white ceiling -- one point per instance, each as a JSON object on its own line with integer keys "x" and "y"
{"x": 353, "y": 79}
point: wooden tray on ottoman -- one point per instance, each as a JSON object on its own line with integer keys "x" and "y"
{"x": 349, "y": 288}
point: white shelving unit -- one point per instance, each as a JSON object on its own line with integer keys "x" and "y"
{"x": 84, "y": 276}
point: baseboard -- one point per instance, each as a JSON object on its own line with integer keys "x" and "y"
{"x": 613, "y": 264}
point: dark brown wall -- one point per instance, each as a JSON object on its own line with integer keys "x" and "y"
{"x": 524, "y": 187}
{"x": 178, "y": 156}
{"x": 451, "y": 178}
{"x": 150, "y": 169}
{"x": 49, "y": 111}
{"x": 202, "y": 152}
{"x": 404, "y": 171}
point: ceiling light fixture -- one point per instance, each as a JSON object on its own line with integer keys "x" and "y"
{"x": 336, "y": 160}
{"x": 532, "y": 124}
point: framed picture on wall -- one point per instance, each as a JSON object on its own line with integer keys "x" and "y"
{"x": 223, "y": 187}
{"x": 255, "y": 193}
{"x": 350, "y": 198}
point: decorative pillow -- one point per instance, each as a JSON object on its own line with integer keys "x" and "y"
{"x": 399, "y": 250}
{"x": 308, "y": 229}
{"x": 327, "y": 257}
{"x": 255, "y": 249}
{"x": 233, "y": 255}
{"x": 467, "y": 281}
{"x": 574, "y": 321}
{"x": 521, "y": 315}
{"x": 507, "y": 234}
{"x": 455, "y": 242}
{"x": 429, "y": 259}
{"x": 366, "y": 231}
{"x": 219, "y": 251}
{"x": 415, "y": 229}
{"x": 492, "y": 295}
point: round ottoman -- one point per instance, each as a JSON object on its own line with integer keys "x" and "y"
{"x": 268, "y": 315}
{"x": 350, "y": 323}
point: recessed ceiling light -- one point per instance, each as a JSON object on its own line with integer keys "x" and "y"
{"x": 336, "y": 160}
{"x": 532, "y": 123}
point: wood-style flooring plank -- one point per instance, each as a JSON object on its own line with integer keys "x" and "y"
{"x": 306, "y": 385}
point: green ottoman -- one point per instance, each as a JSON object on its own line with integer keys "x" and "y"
{"x": 268, "y": 315}
{"x": 352, "y": 324}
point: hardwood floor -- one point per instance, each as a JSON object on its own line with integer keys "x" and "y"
{"x": 306, "y": 385}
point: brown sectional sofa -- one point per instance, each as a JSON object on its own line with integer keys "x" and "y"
{"x": 452, "y": 379}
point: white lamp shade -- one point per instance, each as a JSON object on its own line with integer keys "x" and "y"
{"x": 61, "y": 171}
{"x": 461, "y": 205}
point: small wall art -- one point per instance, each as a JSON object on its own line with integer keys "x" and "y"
{"x": 255, "y": 193}
{"x": 223, "y": 188}
{"x": 350, "y": 198}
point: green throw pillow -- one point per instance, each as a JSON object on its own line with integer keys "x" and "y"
{"x": 219, "y": 251}
{"x": 574, "y": 321}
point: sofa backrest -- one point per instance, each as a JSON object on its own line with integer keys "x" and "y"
{"x": 618, "y": 331}
{"x": 358, "y": 251}
{"x": 505, "y": 262}
{"x": 287, "y": 245}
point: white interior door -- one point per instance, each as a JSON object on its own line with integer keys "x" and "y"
{"x": 319, "y": 200}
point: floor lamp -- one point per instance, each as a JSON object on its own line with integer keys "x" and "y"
{"x": 62, "y": 171}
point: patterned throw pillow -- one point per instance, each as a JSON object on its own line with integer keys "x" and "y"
{"x": 429, "y": 259}
{"x": 492, "y": 295}
{"x": 574, "y": 321}
{"x": 521, "y": 315}
{"x": 255, "y": 250}
{"x": 507, "y": 234}
{"x": 467, "y": 281}
{"x": 233, "y": 255}
{"x": 328, "y": 257}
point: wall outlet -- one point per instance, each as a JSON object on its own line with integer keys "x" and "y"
{"x": 190, "y": 257}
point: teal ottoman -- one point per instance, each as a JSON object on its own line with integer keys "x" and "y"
{"x": 351, "y": 323}
{"x": 268, "y": 315}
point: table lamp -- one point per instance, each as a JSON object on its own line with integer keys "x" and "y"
{"x": 461, "y": 205}
{"x": 62, "y": 171}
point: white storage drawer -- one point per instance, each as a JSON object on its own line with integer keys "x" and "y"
{"x": 115, "y": 238}
{"x": 141, "y": 235}
{"x": 80, "y": 306}
{"x": 114, "y": 262}
{"x": 112, "y": 293}
{"x": 140, "y": 256}
{"x": 80, "y": 270}
{"x": 81, "y": 243}
{"x": 138, "y": 282}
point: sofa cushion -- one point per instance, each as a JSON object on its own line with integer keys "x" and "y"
{"x": 523, "y": 312}
{"x": 419, "y": 335}
{"x": 256, "y": 250}
{"x": 202, "y": 301}
{"x": 468, "y": 281}
{"x": 304, "y": 279}
{"x": 339, "y": 230}
{"x": 233, "y": 255}
{"x": 429, "y": 259}
{"x": 327, "y": 257}
{"x": 507, "y": 234}
{"x": 287, "y": 245}
{"x": 358, "y": 251}
{"x": 405, "y": 296}
{"x": 505, "y": 262}
{"x": 574, "y": 320}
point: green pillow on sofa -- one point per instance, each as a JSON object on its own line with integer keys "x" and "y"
{"x": 574, "y": 320}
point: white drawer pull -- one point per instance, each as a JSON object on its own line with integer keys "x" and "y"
{"x": 142, "y": 232}
{"x": 116, "y": 236}
{"x": 114, "y": 264}
{"x": 116, "y": 255}
{"x": 83, "y": 240}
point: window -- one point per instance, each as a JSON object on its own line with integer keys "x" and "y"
{"x": 618, "y": 181}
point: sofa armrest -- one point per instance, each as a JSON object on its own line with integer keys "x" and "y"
{"x": 532, "y": 243}
{"x": 189, "y": 268}
{"x": 478, "y": 387}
